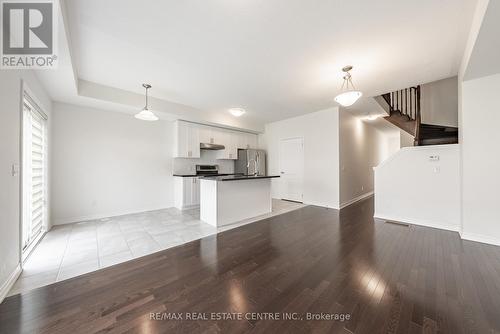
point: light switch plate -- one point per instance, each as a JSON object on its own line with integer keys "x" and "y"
{"x": 15, "y": 169}
{"x": 434, "y": 158}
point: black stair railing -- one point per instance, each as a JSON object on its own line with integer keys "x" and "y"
{"x": 406, "y": 102}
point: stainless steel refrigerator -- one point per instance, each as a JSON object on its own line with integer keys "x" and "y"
{"x": 251, "y": 162}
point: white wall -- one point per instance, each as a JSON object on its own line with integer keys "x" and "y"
{"x": 10, "y": 134}
{"x": 439, "y": 103}
{"x": 362, "y": 147}
{"x": 106, "y": 163}
{"x": 391, "y": 146}
{"x": 479, "y": 87}
{"x": 321, "y": 154}
{"x": 411, "y": 188}
{"x": 406, "y": 139}
{"x": 481, "y": 159}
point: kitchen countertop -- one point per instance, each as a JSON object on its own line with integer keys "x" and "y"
{"x": 239, "y": 177}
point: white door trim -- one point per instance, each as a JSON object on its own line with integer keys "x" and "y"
{"x": 287, "y": 196}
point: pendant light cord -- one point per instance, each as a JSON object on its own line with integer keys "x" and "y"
{"x": 346, "y": 82}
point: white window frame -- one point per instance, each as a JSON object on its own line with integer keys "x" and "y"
{"x": 35, "y": 106}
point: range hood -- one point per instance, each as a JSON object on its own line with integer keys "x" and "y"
{"x": 208, "y": 146}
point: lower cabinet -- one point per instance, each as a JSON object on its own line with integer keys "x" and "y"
{"x": 186, "y": 192}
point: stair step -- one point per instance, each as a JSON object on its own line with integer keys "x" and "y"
{"x": 428, "y": 134}
{"x": 437, "y": 126}
{"x": 403, "y": 122}
{"x": 439, "y": 141}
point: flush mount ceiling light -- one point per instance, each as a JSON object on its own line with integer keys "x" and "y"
{"x": 237, "y": 112}
{"x": 146, "y": 114}
{"x": 348, "y": 95}
{"x": 371, "y": 117}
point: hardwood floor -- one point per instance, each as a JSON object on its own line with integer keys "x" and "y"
{"x": 387, "y": 278}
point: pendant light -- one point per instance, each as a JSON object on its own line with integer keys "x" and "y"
{"x": 348, "y": 95}
{"x": 146, "y": 114}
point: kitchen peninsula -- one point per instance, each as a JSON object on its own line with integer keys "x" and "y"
{"x": 226, "y": 200}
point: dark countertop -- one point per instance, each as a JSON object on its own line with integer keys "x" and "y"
{"x": 239, "y": 177}
{"x": 186, "y": 175}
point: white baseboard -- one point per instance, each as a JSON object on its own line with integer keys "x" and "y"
{"x": 323, "y": 205}
{"x": 187, "y": 207}
{"x": 357, "y": 199}
{"x": 4, "y": 290}
{"x": 76, "y": 219}
{"x": 485, "y": 239}
{"x": 420, "y": 222}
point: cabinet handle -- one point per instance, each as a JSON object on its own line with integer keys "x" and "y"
{"x": 211, "y": 140}
{"x": 189, "y": 153}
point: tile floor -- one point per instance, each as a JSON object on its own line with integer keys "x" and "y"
{"x": 74, "y": 249}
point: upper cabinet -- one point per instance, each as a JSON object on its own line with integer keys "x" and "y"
{"x": 230, "y": 141}
{"x": 210, "y": 135}
{"x": 188, "y": 136}
{"x": 187, "y": 140}
{"x": 247, "y": 140}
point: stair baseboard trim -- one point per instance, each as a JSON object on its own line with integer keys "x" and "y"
{"x": 485, "y": 239}
{"x": 356, "y": 199}
{"x": 4, "y": 290}
{"x": 419, "y": 222}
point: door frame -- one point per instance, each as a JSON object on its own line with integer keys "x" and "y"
{"x": 301, "y": 138}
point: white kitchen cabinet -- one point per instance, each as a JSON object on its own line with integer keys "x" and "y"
{"x": 211, "y": 135}
{"x": 187, "y": 140}
{"x": 186, "y": 192}
{"x": 252, "y": 140}
{"x": 188, "y": 137}
{"x": 247, "y": 140}
{"x": 230, "y": 141}
{"x": 243, "y": 141}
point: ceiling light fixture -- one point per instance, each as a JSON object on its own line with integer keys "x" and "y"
{"x": 348, "y": 95}
{"x": 371, "y": 117}
{"x": 237, "y": 112}
{"x": 146, "y": 114}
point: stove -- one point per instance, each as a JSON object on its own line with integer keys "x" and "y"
{"x": 211, "y": 170}
{"x": 202, "y": 170}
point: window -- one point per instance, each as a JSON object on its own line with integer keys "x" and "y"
{"x": 34, "y": 173}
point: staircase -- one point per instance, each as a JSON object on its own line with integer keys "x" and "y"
{"x": 404, "y": 111}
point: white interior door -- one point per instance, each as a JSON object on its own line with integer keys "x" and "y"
{"x": 292, "y": 168}
{"x": 34, "y": 173}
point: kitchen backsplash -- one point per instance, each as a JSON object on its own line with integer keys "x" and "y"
{"x": 188, "y": 166}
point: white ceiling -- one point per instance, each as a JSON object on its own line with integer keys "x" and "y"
{"x": 276, "y": 59}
